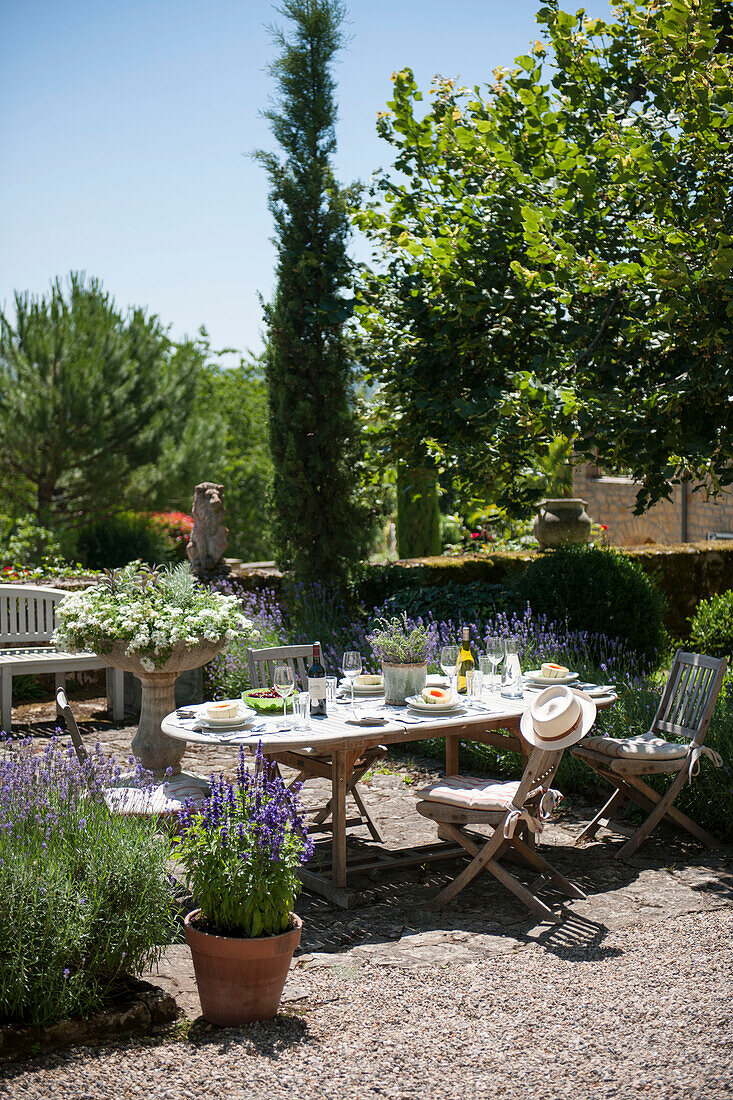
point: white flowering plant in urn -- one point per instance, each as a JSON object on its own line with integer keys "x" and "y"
{"x": 152, "y": 610}
{"x": 155, "y": 623}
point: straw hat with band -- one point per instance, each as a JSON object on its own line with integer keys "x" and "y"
{"x": 557, "y": 718}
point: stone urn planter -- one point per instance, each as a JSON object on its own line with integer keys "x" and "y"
{"x": 403, "y": 680}
{"x": 240, "y": 980}
{"x": 156, "y": 751}
{"x": 562, "y": 521}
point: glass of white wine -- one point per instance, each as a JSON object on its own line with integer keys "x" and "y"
{"x": 448, "y": 661}
{"x": 495, "y": 655}
{"x": 283, "y": 680}
{"x": 351, "y": 666}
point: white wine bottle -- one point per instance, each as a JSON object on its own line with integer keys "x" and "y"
{"x": 465, "y": 663}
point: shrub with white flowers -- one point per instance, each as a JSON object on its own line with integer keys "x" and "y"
{"x": 152, "y": 610}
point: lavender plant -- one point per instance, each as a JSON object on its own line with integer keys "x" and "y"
{"x": 241, "y": 851}
{"x": 397, "y": 641}
{"x": 85, "y": 895}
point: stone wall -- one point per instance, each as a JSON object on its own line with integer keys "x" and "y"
{"x": 611, "y": 501}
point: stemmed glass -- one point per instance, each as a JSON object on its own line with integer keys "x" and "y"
{"x": 495, "y": 654}
{"x": 283, "y": 680}
{"x": 448, "y": 661}
{"x": 351, "y": 667}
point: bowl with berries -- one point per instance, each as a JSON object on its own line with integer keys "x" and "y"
{"x": 265, "y": 701}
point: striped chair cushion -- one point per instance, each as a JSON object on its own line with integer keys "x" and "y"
{"x": 162, "y": 798}
{"x": 640, "y": 748}
{"x": 471, "y": 794}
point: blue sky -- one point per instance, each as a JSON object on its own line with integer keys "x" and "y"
{"x": 125, "y": 129}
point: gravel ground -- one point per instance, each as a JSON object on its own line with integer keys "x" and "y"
{"x": 645, "y": 1014}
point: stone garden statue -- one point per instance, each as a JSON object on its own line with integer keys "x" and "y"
{"x": 209, "y": 536}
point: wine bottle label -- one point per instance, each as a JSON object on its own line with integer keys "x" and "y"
{"x": 317, "y": 688}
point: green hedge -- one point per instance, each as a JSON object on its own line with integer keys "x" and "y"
{"x": 684, "y": 575}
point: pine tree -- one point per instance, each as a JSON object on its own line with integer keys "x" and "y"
{"x": 318, "y": 527}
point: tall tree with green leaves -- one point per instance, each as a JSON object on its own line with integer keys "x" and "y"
{"x": 87, "y": 395}
{"x": 559, "y": 254}
{"x": 319, "y": 529}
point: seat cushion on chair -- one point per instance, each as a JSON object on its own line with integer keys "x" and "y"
{"x": 639, "y": 748}
{"x": 471, "y": 794}
{"x": 160, "y": 798}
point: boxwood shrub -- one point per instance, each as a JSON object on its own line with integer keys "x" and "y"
{"x": 711, "y": 629}
{"x": 598, "y": 590}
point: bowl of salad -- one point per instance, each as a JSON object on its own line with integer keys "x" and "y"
{"x": 266, "y": 701}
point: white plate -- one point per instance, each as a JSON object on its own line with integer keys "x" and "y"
{"x": 243, "y": 713}
{"x": 362, "y": 689}
{"x": 547, "y": 681}
{"x": 418, "y": 703}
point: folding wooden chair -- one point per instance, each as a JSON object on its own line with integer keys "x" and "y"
{"x": 261, "y": 664}
{"x": 163, "y": 800}
{"x": 685, "y": 710}
{"x": 515, "y": 811}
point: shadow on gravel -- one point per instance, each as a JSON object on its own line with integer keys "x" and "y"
{"x": 269, "y": 1038}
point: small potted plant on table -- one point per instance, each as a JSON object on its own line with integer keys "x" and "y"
{"x": 241, "y": 850}
{"x": 403, "y": 650}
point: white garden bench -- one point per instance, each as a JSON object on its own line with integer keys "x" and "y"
{"x": 27, "y": 620}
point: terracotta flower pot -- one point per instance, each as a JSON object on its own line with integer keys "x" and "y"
{"x": 240, "y": 980}
{"x": 403, "y": 680}
{"x": 562, "y": 521}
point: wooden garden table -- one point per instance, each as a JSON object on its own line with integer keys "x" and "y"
{"x": 496, "y": 724}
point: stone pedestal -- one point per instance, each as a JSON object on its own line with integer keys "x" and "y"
{"x": 156, "y": 751}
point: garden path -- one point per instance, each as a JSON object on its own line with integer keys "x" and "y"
{"x": 629, "y": 994}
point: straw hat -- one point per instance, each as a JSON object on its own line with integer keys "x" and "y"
{"x": 558, "y": 717}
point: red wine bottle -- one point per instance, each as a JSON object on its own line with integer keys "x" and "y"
{"x": 317, "y": 684}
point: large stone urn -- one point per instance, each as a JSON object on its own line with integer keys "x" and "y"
{"x": 155, "y": 750}
{"x": 562, "y": 521}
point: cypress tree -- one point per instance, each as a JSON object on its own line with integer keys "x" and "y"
{"x": 318, "y": 528}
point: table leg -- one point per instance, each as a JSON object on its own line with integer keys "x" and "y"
{"x": 338, "y": 811}
{"x": 342, "y": 765}
{"x": 451, "y": 754}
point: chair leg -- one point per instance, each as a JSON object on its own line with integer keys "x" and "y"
{"x": 6, "y": 698}
{"x": 533, "y": 857}
{"x": 115, "y": 678}
{"x": 676, "y": 816}
{"x": 376, "y": 835}
{"x": 659, "y": 811}
{"x": 603, "y": 816}
{"x": 521, "y": 892}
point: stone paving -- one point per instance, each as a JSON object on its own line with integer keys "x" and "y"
{"x": 670, "y": 878}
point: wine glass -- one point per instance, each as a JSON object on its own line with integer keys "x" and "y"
{"x": 283, "y": 680}
{"x": 495, "y": 654}
{"x": 448, "y": 661}
{"x": 351, "y": 667}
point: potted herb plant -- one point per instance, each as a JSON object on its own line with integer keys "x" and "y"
{"x": 402, "y": 647}
{"x": 241, "y": 850}
{"x": 155, "y": 623}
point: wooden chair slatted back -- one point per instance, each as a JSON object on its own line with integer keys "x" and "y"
{"x": 689, "y": 696}
{"x": 261, "y": 664}
{"x": 28, "y": 613}
{"x": 63, "y": 705}
{"x": 538, "y": 773}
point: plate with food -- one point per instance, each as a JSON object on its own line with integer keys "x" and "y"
{"x": 266, "y": 701}
{"x": 551, "y": 673}
{"x": 433, "y": 700}
{"x": 365, "y": 684}
{"x": 225, "y": 714}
